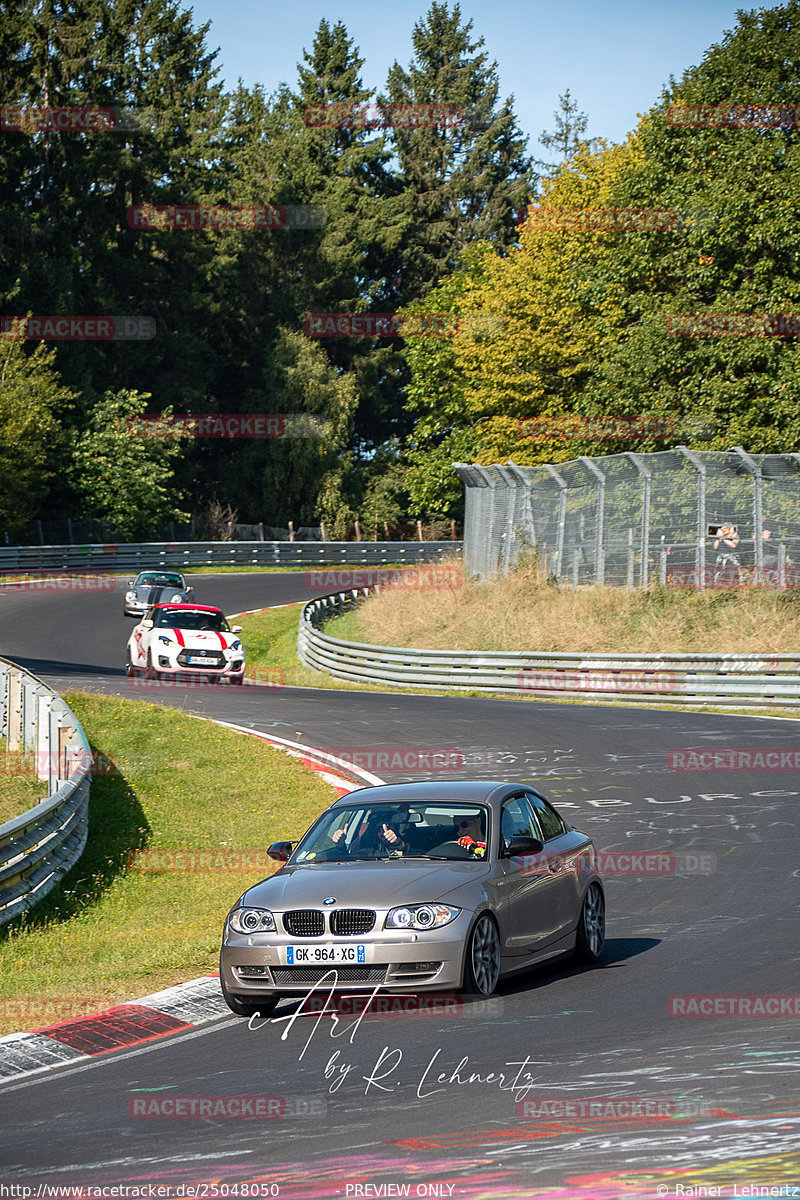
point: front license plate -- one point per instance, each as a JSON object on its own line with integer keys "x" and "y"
{"x": 304, "y": 956}
{"x": 197, "y": 658}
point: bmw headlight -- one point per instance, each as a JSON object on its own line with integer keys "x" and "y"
{"x": 421, "y": 916}
{"x": 167, "y": 641}
{"x": 253, "y": 920}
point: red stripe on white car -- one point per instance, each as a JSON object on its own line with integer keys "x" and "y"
{"x": 179, "y": 635}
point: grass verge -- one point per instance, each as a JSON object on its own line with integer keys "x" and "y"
{"x": 19, "y": 787}
{"x": 521, "y": 611}
{"x": 111, "y": 931}
{"x": 271, "y": 642}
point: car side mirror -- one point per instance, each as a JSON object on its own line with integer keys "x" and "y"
{"x": 515, "y": 847}
{"x": 130, "y": 583}
{"x": 146, "y": 624}
{"x": 280, "y": 851}
{"x": 236, "y": 629}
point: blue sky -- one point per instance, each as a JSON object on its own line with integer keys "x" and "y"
{"x": 613, "y": 56}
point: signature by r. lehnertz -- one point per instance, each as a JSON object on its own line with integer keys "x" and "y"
{"x": 385, "y": 1073}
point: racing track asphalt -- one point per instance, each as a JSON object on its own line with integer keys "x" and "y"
{"x": 386, "y": 1103}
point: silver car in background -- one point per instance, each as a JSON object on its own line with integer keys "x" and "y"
{"x": 416, "y": 887}
{"x": 156, "y": 587}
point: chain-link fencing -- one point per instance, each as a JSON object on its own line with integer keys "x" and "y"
{"x": 687, "y": 518}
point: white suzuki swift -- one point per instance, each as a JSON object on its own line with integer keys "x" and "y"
{"x": 186, "y": 639}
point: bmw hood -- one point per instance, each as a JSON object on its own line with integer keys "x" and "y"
{"x": 378, "y": 884}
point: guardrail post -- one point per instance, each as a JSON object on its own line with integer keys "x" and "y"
{"x": 14, "y": 709}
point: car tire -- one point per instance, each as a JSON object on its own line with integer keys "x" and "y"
{"x": 237, "y": 679}
{"x": 591, "y": 935}
{"x": 130, "y": 669}
{"x": 482, "y": 961}
{"x": 248, "y": 1007}
{"x": 150, "y": 672}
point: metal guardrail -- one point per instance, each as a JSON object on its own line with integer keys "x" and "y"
{"x": 39, "y": 847}
{"x": 743, "y": 680}
{"x": 137, "y": 556}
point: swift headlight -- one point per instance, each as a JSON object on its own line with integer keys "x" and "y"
{"x": 167, "y": 641}
{"x": 252, "y": 920}
{"x": 237, "y": 645}
{"x": 421, "y": 916}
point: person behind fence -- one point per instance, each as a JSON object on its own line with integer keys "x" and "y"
{"x": 728, "y": 538}
{"x": 770, "y": 537}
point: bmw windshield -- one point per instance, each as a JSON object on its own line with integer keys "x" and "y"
{"x": 358, "y": 832}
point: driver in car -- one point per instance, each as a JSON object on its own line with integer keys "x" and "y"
{"x": 379, "y": 833}
{"x": 470, "y": 832}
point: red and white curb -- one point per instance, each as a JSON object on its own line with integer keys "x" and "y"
{"x": 170, "y": 1011}
{"x": 318, "y": 761}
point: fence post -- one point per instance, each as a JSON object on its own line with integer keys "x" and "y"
{"x": 562, "y": 518}
{"x": 599, "y": 549}
{"x": 758, "y": 542}
{"x": 700, "y": 552}
{"x": 647, "y": 476}
{"x": 630, "y": 560}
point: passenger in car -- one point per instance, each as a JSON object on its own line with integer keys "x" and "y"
{"x": 470, "y": 832}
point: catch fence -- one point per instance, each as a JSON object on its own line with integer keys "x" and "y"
{"x": 688, "y": 518}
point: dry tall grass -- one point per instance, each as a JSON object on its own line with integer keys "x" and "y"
{"x": 523, "y": 612}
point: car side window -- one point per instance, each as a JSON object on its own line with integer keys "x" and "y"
{"x": 518, "y": 820}
{"x": 549, "y": 820}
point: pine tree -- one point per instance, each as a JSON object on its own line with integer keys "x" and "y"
{"x": 567, "y": 137}
{"x": 463, "y": 181}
